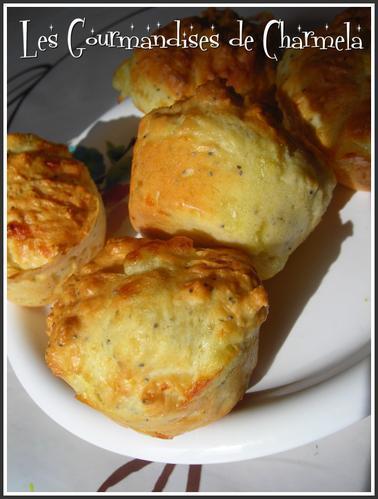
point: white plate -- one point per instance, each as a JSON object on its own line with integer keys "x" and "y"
{"x": 313, "y": 372}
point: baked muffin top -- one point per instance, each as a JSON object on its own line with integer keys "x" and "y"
{"x": 326, "y": 98}
{"x": 159, "y": 77}
{"x": 147, "y": 325}
{"x": 221, "y": 170}
{"x": 52, "y": 202}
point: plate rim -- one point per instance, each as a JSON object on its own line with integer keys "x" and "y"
{"x": 347, "y": 384}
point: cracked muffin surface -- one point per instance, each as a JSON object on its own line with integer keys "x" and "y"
{"x": 158, "y": 335}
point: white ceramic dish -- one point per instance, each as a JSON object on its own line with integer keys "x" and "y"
{"x": 313, "y": 372}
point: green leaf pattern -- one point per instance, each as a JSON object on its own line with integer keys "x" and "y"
{"x": 118, "y": 159}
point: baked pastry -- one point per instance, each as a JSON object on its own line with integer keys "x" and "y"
{"x": 56, "y": 219}
{"x": 325, "y": 98}
{"x": 159, "y": 77}
{"x": 222, "y": 172}
{"x": 159, "y": 336}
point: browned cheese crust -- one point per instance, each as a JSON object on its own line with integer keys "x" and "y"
{"x": 55, "y": 217}
{"x": 157, "y": 335}
{"x": 325, "y": 98}
{"x": 159, "y": 77}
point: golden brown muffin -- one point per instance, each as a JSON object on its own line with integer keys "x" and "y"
{"x": 56, "y": 219}
{"x": 325, "y": 98}
{"x": 221, "y": 172}
{"x": 159, "y": 77}
{"x": 159, "y": 336}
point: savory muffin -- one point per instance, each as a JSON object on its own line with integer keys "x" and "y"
{"x": 222, "y": 172}
{"x": 158, "y": 335}
{"x": 325, "y": 98}
{"x": 159, "y": 77}
{"x": 55, "y": 218}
